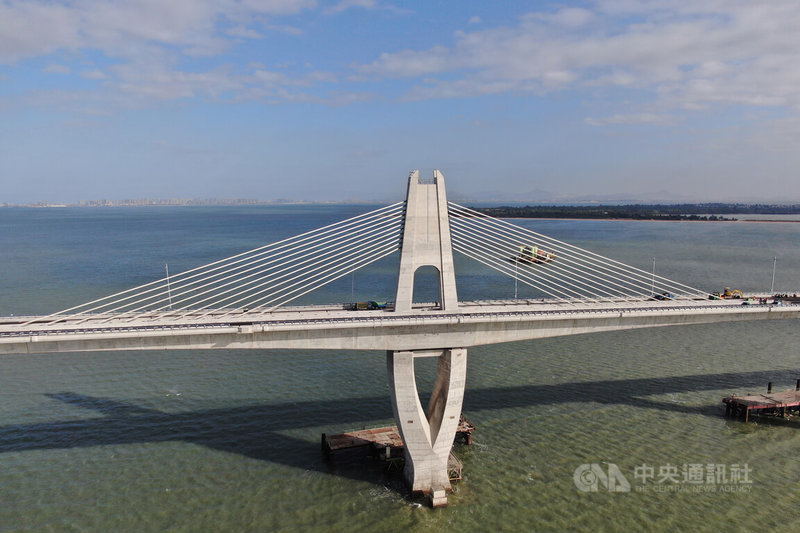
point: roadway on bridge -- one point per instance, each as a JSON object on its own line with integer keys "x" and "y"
{"x": 334, "y": 327}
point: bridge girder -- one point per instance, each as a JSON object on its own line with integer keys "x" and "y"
{"x": 379, "y": 332}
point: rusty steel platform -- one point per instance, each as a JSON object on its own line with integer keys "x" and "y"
{"x": 780, "y": 404}
{"x": 386, "y": 444}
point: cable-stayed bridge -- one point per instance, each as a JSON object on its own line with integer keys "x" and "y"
{"x": 244, "y": 302}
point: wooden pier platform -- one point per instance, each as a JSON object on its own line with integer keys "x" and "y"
{"x": 386, "y": 444}
{"x": 780, "y": 404}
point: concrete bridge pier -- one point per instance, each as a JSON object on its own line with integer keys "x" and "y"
{"x": 428, "y": 435}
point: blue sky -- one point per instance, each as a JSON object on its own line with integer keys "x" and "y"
{"x": 649, "y": 100}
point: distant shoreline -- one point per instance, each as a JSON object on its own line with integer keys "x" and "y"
{"x": 716, "y": 212}
{"x": 701, "y": 212}
{"x": 739, "y": 220}
{"x": 175, "y": 203}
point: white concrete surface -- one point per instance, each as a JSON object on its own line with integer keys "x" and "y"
{"x": 426, "y": 242}
{"x": 474, "y": 324}
{"x": 428, "y": 435}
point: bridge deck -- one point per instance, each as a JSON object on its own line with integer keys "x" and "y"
{"x": 26, "y": 325}
{"x": 333, "y": 327}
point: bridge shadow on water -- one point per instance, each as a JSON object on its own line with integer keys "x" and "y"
{"x": 256, "y": 431}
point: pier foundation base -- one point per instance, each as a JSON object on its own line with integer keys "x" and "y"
{"x": 428, "y": 435}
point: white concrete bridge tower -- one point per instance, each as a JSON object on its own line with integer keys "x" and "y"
{"x": 427, "y": 434}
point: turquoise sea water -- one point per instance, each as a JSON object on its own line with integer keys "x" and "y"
{"x": 229, "y": 440}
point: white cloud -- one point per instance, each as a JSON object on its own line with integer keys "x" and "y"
{"x": 244, "y": 32}
{"x": 409, "y": 63}
{"x": 31, "y": 28}
{"x": 146, "y": 40}
{"x": 569, "y": 17}
{"x": 95, "y": 74}
{"x": 141, "y": 83}
{"x": 634, "y": 118}
{"x": 458, "y": 89}
{"x": 683, "y": 55}
{"x": 57, "y": 69}
{"x": 347, "y": 4}
{"x": 288, "y": 30}
{"x": 687, "y": 55}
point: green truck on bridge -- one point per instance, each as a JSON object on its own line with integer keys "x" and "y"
{"x": 365, "y": 306}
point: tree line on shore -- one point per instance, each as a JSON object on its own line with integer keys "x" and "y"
{"x": 702, "y": 211}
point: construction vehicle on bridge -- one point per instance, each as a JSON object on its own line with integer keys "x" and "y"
{"x": 366, "y": 306}
{"x": 727, "y": 294}
{"x": 530, "y": 253}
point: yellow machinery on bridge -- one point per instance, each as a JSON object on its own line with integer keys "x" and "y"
{"x": 727, "y": 294}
